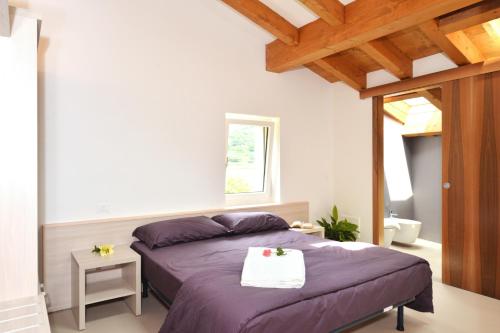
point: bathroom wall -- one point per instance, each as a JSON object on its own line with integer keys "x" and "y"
{"x": 423, "y": 155}
{"x": 394, "y": 147}
{"x": 403, "y": 208}
{"x": 426, "y": 173}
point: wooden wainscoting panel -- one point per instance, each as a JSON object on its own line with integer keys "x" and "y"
{"x": 471, "y": 164}
{"x": 59, "y": 239}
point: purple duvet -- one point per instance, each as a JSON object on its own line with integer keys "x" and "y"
{"x": 342, "y": 285}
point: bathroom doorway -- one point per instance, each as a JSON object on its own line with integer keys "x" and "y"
{"x": 412, "y": 164}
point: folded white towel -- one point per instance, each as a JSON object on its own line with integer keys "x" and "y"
{"x": 286, "y": 271}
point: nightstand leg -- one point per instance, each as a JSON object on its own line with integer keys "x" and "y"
{"x": 81, "y": 299}
{"x": 132, "y": 274}
{"x": 145, "y": 288}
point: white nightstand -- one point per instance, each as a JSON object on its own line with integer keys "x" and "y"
{"x": 315, "y": 231}
{"x": 96, "y": 279}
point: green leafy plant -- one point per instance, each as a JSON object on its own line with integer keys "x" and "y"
{"x": 342, "y": 230}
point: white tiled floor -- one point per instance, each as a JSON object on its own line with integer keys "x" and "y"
{"x": 456, "y": 310}
{"x": 428, "y": 250}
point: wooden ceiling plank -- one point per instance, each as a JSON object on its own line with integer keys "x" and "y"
{"x": 389, "y": 57}
{"x": 4, "y": 18}
{"x": 466, "y": 46}
{"x": 431, "y": 30}
{"x": 488, "y": 66}
{"x": 365, "y": 20}
{"x": 330, "y": 77}
{"x": 267, "y": 19}
{"x": 414, "y": 43}
{"x": 331, "y": 11}
{"x": 344, "y": 71}
{"x": 473, "y": 15}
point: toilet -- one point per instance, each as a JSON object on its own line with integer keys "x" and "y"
{"x": 390, "y": 229}
{"x": 408, "y": 232}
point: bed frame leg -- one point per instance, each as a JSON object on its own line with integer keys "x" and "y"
{"x": 401, "y": 319}
{"x": 145, "y": 288}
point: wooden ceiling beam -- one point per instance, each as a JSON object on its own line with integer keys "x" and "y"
{"x": 433, "y": 96}
{"x": 4, "y": 18}
{"x": 273, "y": 23}
{"x": 344, "y": 71}
{"x": 331, "y": 11}
{"x": 390, "y": 57}
{"x": 488, "y": 66}
{"x": 268, "y": 19}
{"x": 431, "y": 31}
{"x": 402, "y": 97}
{"x": 330, "y": 77}
{"x": 394, "y": 115}
{"x": 365, "y": 20}
{"x": 467, "y": 47}
{"x": 478, "y": 13}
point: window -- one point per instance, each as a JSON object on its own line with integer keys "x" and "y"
{"x": 250, "y": 159}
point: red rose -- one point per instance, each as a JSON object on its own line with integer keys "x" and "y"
{"x": 266, "y": 253}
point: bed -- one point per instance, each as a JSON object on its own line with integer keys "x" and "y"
{"x": 346, "y": 283}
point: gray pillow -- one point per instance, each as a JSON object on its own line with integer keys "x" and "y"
{"x": 250, "y": 222}
{"x": 183, "y": 230}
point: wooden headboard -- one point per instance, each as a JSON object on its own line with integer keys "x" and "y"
{"x": 59, "y": 239}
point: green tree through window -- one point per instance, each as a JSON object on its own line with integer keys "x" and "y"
{"x": 246, "y": 158}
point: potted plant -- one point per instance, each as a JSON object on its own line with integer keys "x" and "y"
{"x": 341, "y": 231}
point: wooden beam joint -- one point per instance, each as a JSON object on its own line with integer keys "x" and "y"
{"x": 466, "y": 46}
{"x": 365, "y": 20}
{"x": 431, "y": 30}
{"x": 478, "y": 13}
{"x": 389, "y": 57}
{"x": 267, "y": 19}
{"x": 488, "y": 66}
{"x": 344, "y": 71}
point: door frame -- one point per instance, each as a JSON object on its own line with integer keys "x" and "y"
{"x": 378, "y": 169}
{"x": 378, "y": 164}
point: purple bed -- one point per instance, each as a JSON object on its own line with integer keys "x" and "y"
{"x": 345, "y": 283}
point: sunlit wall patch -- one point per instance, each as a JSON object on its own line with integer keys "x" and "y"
{"x": 396, "y": 169}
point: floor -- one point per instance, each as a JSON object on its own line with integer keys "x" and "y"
{"x": 456, "y": 310}
{"x": 428, "y": 250}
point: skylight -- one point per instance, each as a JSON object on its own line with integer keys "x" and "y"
{"x": 418, "y": 115}
{"x": 493, "y": 28}
{"x": 416, "y": 101}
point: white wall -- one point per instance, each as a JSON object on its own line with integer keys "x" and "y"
{"x": 133, "y": 101}
{"x": 352, "y": 149}
{"x": 18, "y": 161}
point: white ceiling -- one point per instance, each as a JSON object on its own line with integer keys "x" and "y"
{"x": 294, "y": 11}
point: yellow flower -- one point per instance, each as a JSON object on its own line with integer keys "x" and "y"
{"x": 106, "y": 249}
